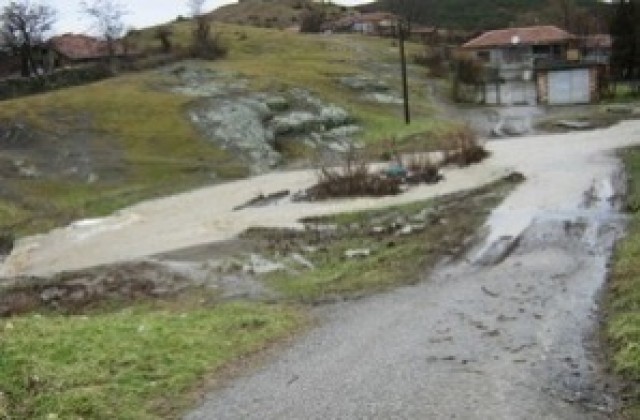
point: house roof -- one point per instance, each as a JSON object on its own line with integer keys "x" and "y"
{"x": 375, "y": 17}
{"x": 533, "y": 35}
{"x": 79, "y": 47}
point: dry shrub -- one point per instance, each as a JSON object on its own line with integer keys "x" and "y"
{"x": 353, "y": 179}
{"x": 421, "y": 168}
{"x": 204, "y": 43}
{"x": 464, "y": 149}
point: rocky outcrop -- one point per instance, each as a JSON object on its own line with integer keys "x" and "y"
{"x": 254, "y": 124}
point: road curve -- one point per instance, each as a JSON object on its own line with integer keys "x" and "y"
{"x": 508, "y": 340}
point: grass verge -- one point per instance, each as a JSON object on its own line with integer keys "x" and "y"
{"x": 367, "y": 252}
{"x": 138, "y": 363}
{"x": 622, "y": 328}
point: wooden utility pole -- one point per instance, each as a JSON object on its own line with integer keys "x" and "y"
{"x": 403, "y": 65}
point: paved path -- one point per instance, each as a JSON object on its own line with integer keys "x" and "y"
{"x": 511, "y": 340}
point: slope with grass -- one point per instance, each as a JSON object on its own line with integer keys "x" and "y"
{"x": 155, "y": 149}
{"x": 143, "y": 362}
{"x": 623, "y": 299}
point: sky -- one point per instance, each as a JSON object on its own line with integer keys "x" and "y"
{"x": 142, "y": 13}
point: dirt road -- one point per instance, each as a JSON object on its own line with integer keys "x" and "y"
{"x": 509, "y": 340}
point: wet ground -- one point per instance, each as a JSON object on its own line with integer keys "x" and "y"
{"x": 509, "y": 332}
{"x": 511, "y": 341}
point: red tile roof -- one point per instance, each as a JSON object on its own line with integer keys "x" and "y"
{"x": 81, "y": 47}
{"x": 534, "y": 35}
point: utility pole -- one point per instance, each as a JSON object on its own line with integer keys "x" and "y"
{"x": 403, "y": 65}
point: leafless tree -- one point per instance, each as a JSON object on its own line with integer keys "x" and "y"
{"x": 410, "y": 11}
{"x": 195, "y": 7}
{"x": 108, "y": 17}
{"x": 164, "y": 34}
{"x": 23, "y": 25}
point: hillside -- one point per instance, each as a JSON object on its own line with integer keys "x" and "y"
{"x": 89, "y": 150}
{"x": 270, "y": 13}
{"x": 488, "y": 14}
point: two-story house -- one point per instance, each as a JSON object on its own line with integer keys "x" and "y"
{"x": 539, "y": 64}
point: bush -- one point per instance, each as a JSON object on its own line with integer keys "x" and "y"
{"x": 204, "y": 44}
{"x": 312, "y": 21}
{"x": 464, "y": 149}
{"x": 422, "y": 169}
{"x": 353, "y": 179}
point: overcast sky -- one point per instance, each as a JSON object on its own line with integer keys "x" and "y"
{"x": 142, "y": 13}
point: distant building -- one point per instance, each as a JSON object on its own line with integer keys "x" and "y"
{"x": 539, "y": 64}
{"x": 72, "y": 49}
{"x": 378, "y": 23}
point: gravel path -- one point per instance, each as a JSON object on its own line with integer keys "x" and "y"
{"x": 509, "y": 340}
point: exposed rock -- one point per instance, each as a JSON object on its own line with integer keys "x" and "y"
{"x": 260, "y": 265}
{"x": 357, "y": 253}
{"x": 239, "y": 125}
{"x": 302, "y": 261}
{"x": 364, "y": 83}
{"x": 333, "y": 116}
{"x": 343, "y": 132}
{"x": 384, "y": 98}
{"x": 277, "y": 103}
{"x": 296, "y": 122}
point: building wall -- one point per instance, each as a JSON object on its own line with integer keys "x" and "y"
{"x": 542, "y": 80}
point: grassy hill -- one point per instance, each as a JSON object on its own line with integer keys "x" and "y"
{"x": 270, "y": 13}
{"x": 96, "y": 148}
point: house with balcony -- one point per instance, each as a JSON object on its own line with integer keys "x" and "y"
{"x": 535, "y": 65}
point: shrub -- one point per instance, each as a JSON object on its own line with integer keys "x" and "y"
{"x": 353, "y": 179}
{"x": 421, "y": 168}
{"x": 312, "y": 21}
{"x": 464, "y": 149}
{"x": 204, "y": 44}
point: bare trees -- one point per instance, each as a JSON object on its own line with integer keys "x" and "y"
{"x": 195, "y": 7}
{"x": 625, "y": 29}
{"x": 108, "y": 17}
{"x": 23, "y": 25}
{"x": 204, "y": 44}
{"x": 411, "y": 11}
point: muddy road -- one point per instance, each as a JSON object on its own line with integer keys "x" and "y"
{"x": 509, "y": 332}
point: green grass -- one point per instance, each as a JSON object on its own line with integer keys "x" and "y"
{"x": 394, "y": 260}
{"x": 162, "y": 151}
{"x": 140, "y": 363}
{"x": 623, "y": 299}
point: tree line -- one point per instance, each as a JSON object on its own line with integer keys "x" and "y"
{"x": 25, "y": 26}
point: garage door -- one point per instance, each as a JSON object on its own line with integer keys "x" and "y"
{"x": 569, "y": 87}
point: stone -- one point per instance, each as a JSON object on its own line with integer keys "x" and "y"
{"x": 364, "y": 83}
{"x": 384, "y": 98}
{"x": 277, "y": 103}
{"x": 260, "y": 265}
{"x": 302, "y": 261}
{"x": 296, "y": 122}
{"x": 333, "y": 116}
{"x": 239, "y": 125}
{"x": 357, "y": 253}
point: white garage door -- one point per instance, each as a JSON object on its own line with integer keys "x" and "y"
{"x": 569, "y": 87}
